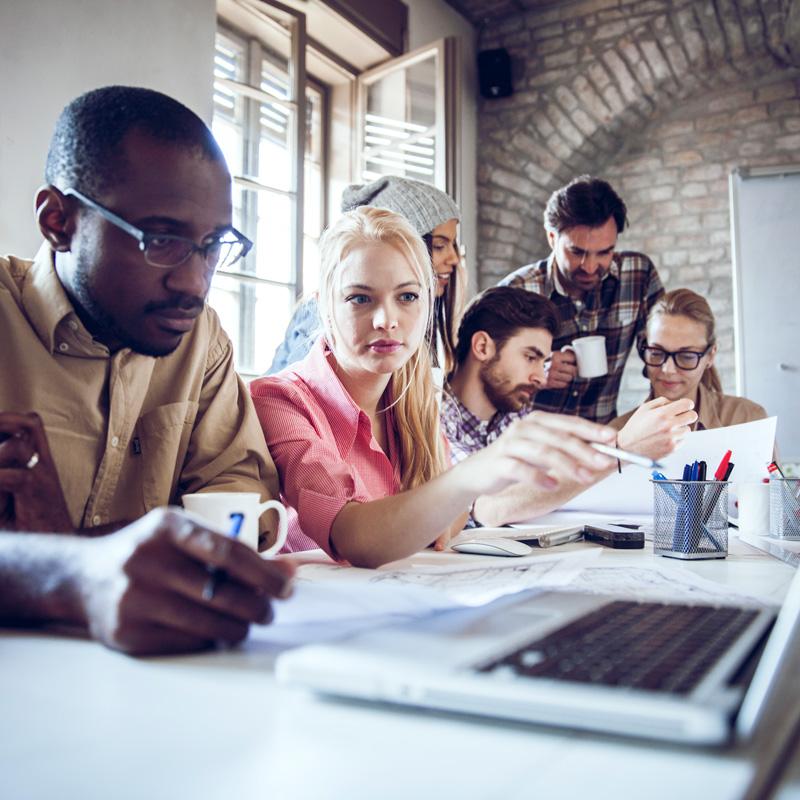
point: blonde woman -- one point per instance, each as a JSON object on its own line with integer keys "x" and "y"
{"x": 354, "y": 428}
{"x": 679, "y": 354}
{"x": 435, "y": 217}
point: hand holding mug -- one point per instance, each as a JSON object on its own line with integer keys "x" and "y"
{"x": 590, "y": 354}
{"x": 561, "y": 371}
{"x": 141, "y": 589}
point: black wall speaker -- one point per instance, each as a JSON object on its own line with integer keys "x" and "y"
{"x": 494, "y": 73}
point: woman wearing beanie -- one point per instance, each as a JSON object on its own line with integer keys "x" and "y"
{"x": 434, "y": 216}
{"x": 354, "y": 428}
{"x": 678, "y": 354}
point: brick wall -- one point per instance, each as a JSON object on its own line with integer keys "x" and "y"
{"x": 660, "y": 97}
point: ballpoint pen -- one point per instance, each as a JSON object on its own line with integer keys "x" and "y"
{"x": 624, "y": 455}
{"x": 215, "y": 574}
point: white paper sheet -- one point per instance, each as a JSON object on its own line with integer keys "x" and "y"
{"x": 631, "y": 492}
{"x": 419, "y": 585}
{"x": 665, "y": 582}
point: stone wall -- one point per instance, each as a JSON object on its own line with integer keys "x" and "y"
{"x": 662, "y": 98}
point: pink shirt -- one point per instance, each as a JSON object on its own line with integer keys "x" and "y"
{"x": 323, "y": 447}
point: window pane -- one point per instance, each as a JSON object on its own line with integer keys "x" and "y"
{"x": 229, "y": 106}
{"x": 254, "y": 316}
{"x": 275, "y": 125}
{"x": 400, "y": 125}
{"x": 266, "y": 218}
{"x": 314, "y": 198}
{"x": 310, "y": 265}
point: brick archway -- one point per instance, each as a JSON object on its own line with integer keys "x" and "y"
{"x": 593, "y": 83}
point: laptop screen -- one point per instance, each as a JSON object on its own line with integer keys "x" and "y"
{"x": 775, "y": 679}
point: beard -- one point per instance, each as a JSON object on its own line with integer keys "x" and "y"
{"x": 499, "y": 391}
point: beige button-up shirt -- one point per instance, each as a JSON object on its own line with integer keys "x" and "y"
{"x": 128, "y": 432}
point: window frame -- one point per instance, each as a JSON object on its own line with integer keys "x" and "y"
{"x": 448, "y": 93}
{"x": 256, "y": 51}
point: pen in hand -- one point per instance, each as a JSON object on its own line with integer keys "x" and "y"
{"x": 624, "y": 455}
{"x": 215, "y": 573}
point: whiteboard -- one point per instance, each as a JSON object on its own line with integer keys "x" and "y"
{"x": 765, "y": 233}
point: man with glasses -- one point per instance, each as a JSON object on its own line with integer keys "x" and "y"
{"x": 118, "y": 393}
{"x": 596, "y": 289}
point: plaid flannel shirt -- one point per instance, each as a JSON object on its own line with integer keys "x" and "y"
{"x": 466, "y": 433}
{"x": 616, "y": 309}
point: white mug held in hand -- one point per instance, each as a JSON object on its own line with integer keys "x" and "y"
{"x": 590, "y": 353}
{"x": 216, "y": 509}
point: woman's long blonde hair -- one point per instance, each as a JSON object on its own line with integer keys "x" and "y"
{"x": 689, "y": 304}
{"x": 413, "y": 398}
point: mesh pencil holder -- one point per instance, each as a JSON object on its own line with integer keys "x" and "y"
{"x": 690, "y": 519}
{"x": 784, "y": 508}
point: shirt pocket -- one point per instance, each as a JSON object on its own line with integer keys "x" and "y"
{"x": 164, "y": 435}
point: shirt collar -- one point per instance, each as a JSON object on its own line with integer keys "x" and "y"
{"x": 553, "y": 282}
{"x": 344, "y": 414}
{"x": 464, "y": 418}
{"x": 51, "y": 313}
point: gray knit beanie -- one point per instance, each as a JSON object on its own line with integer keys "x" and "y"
{"x": 423, "y": 205}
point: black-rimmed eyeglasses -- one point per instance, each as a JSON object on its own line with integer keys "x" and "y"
{"x": 166, "y": 250}
{"x": 683, "y": 359}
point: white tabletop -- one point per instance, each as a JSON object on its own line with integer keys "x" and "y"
{"x": 79, "y": 721}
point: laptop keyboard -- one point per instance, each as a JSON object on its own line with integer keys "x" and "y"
{"x": 651, "y": 646}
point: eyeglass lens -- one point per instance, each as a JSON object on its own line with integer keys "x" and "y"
{"x": 170, "y": 252}
{"x": 687, "y": 359}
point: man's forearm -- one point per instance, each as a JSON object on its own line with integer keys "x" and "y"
{"x": 39, "y": 579}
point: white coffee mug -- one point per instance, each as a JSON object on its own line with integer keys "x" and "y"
{"x": 753, "y": 502}
{"x": 590, "y": 353}
{"x": 216, "y": 508}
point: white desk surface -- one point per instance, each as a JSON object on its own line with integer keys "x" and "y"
{"x": 80, "y": 721}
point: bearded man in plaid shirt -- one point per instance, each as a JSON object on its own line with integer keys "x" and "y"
{"x": 596, "y": 290}
{"x": 503, "y": 344}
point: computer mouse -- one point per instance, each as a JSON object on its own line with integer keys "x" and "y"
{"x": 492, "y": 547}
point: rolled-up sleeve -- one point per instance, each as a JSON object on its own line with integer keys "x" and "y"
{"x": 316, "y": 479}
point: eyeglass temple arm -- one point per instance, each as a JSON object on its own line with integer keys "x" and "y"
{"x": 109, "y": 215}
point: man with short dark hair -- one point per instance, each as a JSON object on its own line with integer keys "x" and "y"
{"x": 504, "y": 341}
{"x": 596, "y": 290}
{"x": 118, "y": 393}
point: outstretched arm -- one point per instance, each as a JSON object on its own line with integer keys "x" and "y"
{"x": 541, "y": 449}
{"x": 654, "y": 430}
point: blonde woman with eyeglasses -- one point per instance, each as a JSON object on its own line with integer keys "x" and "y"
{"x": 354, "y": 427}
{"x": 678, "y": 354}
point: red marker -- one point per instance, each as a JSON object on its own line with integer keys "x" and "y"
{"x": 719, "y": 475}
{"x": 774, "y": 471}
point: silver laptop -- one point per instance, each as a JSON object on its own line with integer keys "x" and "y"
{"x": 671, "y": 671}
